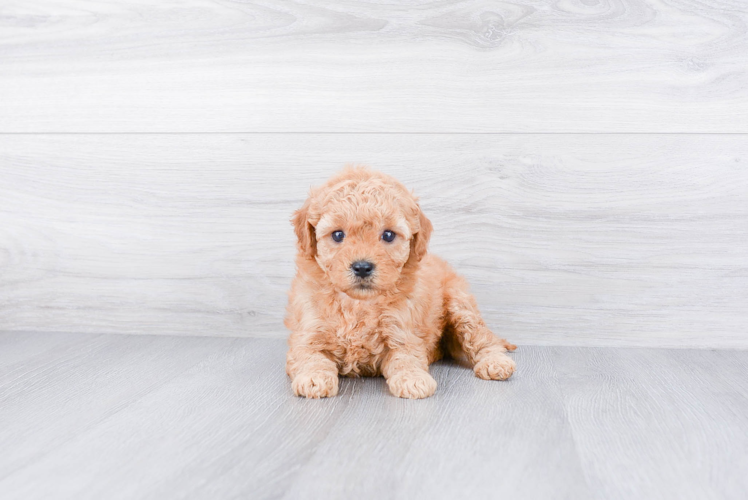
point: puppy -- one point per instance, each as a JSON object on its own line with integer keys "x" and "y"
{"x": 369, "y": 300}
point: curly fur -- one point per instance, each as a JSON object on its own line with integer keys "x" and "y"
{"x": 412, "y": 311}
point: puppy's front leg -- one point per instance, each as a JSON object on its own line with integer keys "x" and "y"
{"x": 313, "y": 375}
{"x": 407, "y": 373}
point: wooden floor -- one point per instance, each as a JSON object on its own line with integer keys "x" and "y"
{"x": 116, "y": 416}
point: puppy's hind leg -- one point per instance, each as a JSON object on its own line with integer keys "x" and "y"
{"x": 485, "y": 351}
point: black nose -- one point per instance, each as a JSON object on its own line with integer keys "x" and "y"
{"x": 362, "y": 268}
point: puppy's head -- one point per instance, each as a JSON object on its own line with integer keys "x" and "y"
{"x": 365, "y": 231}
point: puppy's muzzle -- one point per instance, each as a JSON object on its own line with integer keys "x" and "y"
{"x": 362, "y": 268}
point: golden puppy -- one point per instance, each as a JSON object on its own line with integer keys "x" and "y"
{"x": 368, "y": 300}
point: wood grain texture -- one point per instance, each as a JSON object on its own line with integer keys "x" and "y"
{"x": 566, "y": 239}
{"x": 450, "y": 66}
{"x": 490, "y": 441}
{"x": 674, "y": 412}
{"x": 123, "y": 416}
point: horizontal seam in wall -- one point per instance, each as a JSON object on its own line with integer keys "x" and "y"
{"x": 372, "y": 133}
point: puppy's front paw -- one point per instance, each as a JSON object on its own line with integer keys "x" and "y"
{"x": 315, "y": 385}
{"x": 412, "y": 385}
{"x": 495, "y": 366}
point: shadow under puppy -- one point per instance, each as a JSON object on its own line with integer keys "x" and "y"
{"x": 369, "y": 300}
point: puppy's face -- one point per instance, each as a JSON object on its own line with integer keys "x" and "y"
{"x": 362, "y": 229}
{"x": 364, "y": 254}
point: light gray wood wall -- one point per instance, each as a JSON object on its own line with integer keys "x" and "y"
{"x": 583, "y": 162}
{"x": 415, "y": 66}
{"x": 637, "y": 239}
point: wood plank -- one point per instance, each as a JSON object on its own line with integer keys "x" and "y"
{"x": 450, "y": 66}
{"x": 147, "y": 417}
{"x": 669, "y": 423}
{"x": 470, "y": 440}
{"x": 72, "y": 383}
{"x": 20, "y": 348}
{"x": 158, "y": 423}
{"x": 229, "y": 427}
{"x": 566, "y": 239}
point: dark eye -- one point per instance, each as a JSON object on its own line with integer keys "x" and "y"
{"x": 388, "y": 236}
{"x": 338, "y": 236}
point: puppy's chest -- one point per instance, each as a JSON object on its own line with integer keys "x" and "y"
{"x": 361, "y": 343}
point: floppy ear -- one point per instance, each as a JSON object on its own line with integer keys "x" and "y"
{"x": 420, "y": 242}
{"x": 307, "y": 241}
